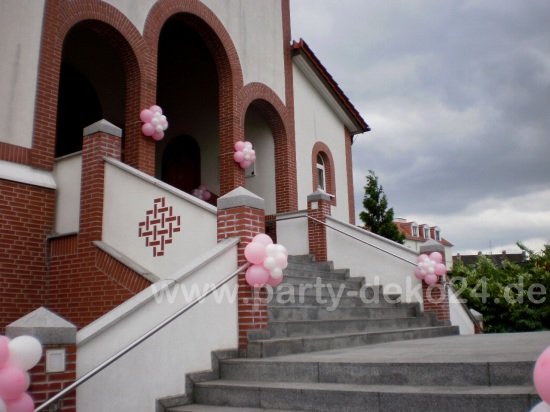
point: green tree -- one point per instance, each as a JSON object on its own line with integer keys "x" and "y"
{"x": 376, "y": 216}
{"x": 511, "y": 298}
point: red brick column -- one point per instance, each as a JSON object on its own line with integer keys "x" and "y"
{"x": 435, "y": 296}
{"x": 57, "y": 368}
{"x": 318, "y": 206}
{"x": 101, "y": 139}
{"x": 241, "y": 214}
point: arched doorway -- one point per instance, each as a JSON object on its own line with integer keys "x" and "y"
{"x": 181, "y": 164}
{"x": 92, "y": 85}
{"x": 188, "y": 92}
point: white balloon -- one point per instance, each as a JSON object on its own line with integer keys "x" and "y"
{"x": 162, "y": 118}
{"x": 155, "y": 121}
{"x": 430, "y": 270}
{"x": 541, "y": 407}
{"x": 158, "y": 128}
{"x": 246, "y": 157}
{"x": 269, "y": 263}
{"x": 165, "y": 126}
{"x": 248, "y": 145}
{"x": 25, "y": 352}
{"x": 271, "y": 250}
{"x": 276, "y": 273}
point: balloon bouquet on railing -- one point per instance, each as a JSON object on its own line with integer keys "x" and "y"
{"x": 430, "y": 268}
{"x": 17, "y": 356}
{"x": 268, "y": 262}
{"x": 244, "y": 154}
{"x": 202, "y": 193}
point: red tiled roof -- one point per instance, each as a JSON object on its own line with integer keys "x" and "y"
{"x": 301, "y": 47}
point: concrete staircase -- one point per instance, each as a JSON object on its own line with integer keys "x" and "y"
{"x": 323, "y": 355}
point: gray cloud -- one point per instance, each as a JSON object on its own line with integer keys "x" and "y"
{"x": 458, "y": 97}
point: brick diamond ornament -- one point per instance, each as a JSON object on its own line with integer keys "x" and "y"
{"x": 159, "y": 226}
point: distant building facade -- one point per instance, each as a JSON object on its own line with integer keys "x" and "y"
{"x": 417, "y": 234}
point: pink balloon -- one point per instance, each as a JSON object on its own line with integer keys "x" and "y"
{"x": 13, "y": 382}
{"x": 263, "y": 239}
{"x": 23, "y": 403}
{"x": 274, "y": 282}
{"x": 146, "y": 116}
{"x": 440, "y": 269}
{"x": 255, "y": 253}
{"x": 281, "y": 260}
{"x": 206, "y": 195}
{"x": 238, "y": 157}
{"x": 4, "y": 350}
{"x": 256, "y": 275}
{"x": 245, "y": 163}
{"x": 418, "y": 274}
{"x": 158, "y": 135}
{"x": 148, "y": 129}
{"x": 438, "y": 257}
{"x": 541, "y": 375}
{"x": 430, "y": 279}
{"x": 155, "y": 109}
{"x": 239, "y": 146}
{"x": 423, "y": 258}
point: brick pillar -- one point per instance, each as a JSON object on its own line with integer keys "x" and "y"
{"x": 57, "y": 367}
{"x": 241, "y": 214}
{"x": 101, "y": 139}
{"x": 318, "y": 206}
{"x": 435, "y": 296}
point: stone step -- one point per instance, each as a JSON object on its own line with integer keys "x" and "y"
{"x": 354, "y": 283}
{"x": 208, "y": 408}
{"x": 331, "y": 289}
{"x": 282, "y": 329}
{"x": 301, "y": 258}
{"x": 329, "y": 397}
{"x": 290, "y": 296}
{"x": 372, "y": 372}
{"x": 302, "y": 312}
{"x": 336, "y": 274}
{"x": 264, "y": 348}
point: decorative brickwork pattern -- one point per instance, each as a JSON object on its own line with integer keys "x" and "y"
{"x": 159, "y": 226}
{"x": 245, "y": 222}
{"x": 27, "y": 218}
{"x": 45, "y": 385}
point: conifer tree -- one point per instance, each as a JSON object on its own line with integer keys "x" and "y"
{"x": 376, "y": 216}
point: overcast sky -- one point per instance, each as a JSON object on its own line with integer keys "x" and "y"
{"x": 457, "y": 94}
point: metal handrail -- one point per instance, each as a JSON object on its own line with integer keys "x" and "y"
{"x": 138, "y": 341}
{"x": 347, "y": 234}
{"x": 446, "y": 285}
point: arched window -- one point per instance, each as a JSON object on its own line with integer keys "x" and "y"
{"x": 321, "y": 180}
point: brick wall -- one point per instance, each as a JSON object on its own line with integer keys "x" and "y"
{"x": 245, "y": 222}
{"x": 26, "y": 218}
{"x": 317, "y": 232}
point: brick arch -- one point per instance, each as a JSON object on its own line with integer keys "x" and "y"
{"x": 277, "y": 116}
{"x": 320, "y": 148}
{"x": 228, "y": 67}
{"x": 126, "y": 40}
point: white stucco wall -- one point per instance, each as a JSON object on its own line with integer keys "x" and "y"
{"x": 292, "y": 232}
{"x": 376, "y": 266}
{"x": 157, "y": 368}
{"x": 67, "y": 174}
{"x": 315, "y": 121}
{"x": 124, "y": 210}
{"x": 459, "y": 316}
{"x": 255, "y": 28}
{"x": 21, "y": 23}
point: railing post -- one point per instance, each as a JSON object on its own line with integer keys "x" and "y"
{"x": 318, "y": 206}
{"x": 435, "y": 296}
{"x": 241, "y": 214}
{"x": 57, "y": 367}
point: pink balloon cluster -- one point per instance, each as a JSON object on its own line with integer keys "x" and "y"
{"x": 154, "y": 122}
{"x": 541, "y": 378}
{"x": 202, "y": 193}
{"x": 244, "y": 154}
{"x": 268, "y": 261}
{"x": 17, "y": 356}
{"x": 430, "y": 268}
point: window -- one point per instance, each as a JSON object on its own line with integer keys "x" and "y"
{"x": 414, "y": 230}
{"x": 426, "y": 232}
{"x": 321, "y": 172}
{"x": 437, "y": 235}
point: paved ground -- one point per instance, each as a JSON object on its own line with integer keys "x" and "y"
{"x": 498, "y": 347}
